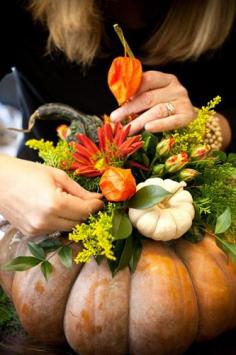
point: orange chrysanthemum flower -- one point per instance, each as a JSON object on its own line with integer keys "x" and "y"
{"x": 114, "y": 147}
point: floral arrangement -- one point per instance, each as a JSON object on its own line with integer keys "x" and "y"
{"x": 161, "y": 186}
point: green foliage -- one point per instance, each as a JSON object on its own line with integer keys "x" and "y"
{"x": 214, "y": 192}
{"x": 127, "y": 253}
{"x": 90, "y": 184}
{"x": 194, "y": 133}
{"x": 59, "y": 156}
{"x": 40, "y": 257}
{"x": 223, "y": 222}
{"x": 121, "y": 225}
{"x": 148, "y": 196}
{"x": 95, "y": 236}
{"x": 9, "y": 321}
{"x": 65, "y": 254}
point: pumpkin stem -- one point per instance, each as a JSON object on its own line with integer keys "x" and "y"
{"x": 121, "y": 36}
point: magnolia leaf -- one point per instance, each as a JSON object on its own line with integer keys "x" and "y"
{"x": 118, "y": 249}
{"x": 223, "y": 221}
{"x": 121, "y": 225}
{"x": 137, "y": 250}
{"x": 228, "y": 248}
{"x": 50, "y": 245}
{"x": 126, "y": 255}
{"x": 46, "y": 268}
{"x": 21, "y": 263}
{"x": 36, "y": 250}
{"x": 148, "y": 196}
{"x": 65, "y": 254}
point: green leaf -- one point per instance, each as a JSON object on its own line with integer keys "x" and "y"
{"x": 36, "y": 250}
{"x": 195, "y": 234}
{"x": 99, "y": 259}
{"x": 50, "y": 245}
{"x": 137, "y": 250}
{"x": 21, "y": 263}
{"x": 121, "y": 225}
{"x": 65, "y": 254}
{"x": 232, "y": 159}
{"x": 148, "y": 196}
{"x": 228, "y": 248}
{"x": 223, "y": 222}
{"x": 4, "y": 314}
{"x": 126, "y": 255}
{"x": 221, "y": 156}
{"x": 46, "y": 268}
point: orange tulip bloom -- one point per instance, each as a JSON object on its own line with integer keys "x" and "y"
{"x": 117, "y": 184}
{"x": 124, "y": 78}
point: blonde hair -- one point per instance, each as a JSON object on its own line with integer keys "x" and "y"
{"x": 189, "y": 29}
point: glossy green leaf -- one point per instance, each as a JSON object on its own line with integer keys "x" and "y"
{"x": 50, "y": 245}
{"x": 126, "y": 255}
{"x": 148, "y": 196}
{"x": 65, "y": 254}
{"x": 121, "y": 225}
{"x": 21, "y": 263}
{"x": 36, "y": 250}
{"x": 223, "y": 221}
{"x": 46, "y": 268}
{"x": 228, "y": 248}
{"x": 137, "y": 250}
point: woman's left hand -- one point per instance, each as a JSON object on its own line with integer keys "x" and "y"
{"x": 161, "y": 104}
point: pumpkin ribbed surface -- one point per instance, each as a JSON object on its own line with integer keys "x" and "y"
{"x": 177, "y": 295}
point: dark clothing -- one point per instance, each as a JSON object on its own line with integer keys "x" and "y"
{"x": 45, "y": 78}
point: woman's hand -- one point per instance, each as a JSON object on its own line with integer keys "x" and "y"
{"x": 161, "y": 103}
{"x": 39, "y": 199}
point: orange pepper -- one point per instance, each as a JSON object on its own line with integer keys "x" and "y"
{"x": 117, "y": 184}
{"x": 124, "y": 78}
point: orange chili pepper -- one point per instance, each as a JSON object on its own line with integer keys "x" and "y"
{"x": 117, "y": 184}
{"x": 125, "y": 73}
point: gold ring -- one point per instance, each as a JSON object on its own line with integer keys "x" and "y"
{"x": 170, "y": 108}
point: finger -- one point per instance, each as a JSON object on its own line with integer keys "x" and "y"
{"x": 61, "y": 224}
{"x": 168, "y": 123}
{"x": 75, "y": 209}
{"x": 155, "y": 113}
{"x": 72, "y": 187}
{"x": 153, "y": 79}
{"x": 143, "y": 102}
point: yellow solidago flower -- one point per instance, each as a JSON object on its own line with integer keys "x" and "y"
{"x": 95, "y": 236}
{"x": 193, "y": 134}
{"x": 59, "y": 156}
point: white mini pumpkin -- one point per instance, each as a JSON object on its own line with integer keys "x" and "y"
{"x": 169, "y": 219}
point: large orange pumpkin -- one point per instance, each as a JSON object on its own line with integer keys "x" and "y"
{"x": 178, "y": 294}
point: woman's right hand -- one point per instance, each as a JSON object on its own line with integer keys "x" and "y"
{"x": 39, "y": 199}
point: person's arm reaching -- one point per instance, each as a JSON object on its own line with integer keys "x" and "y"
{"x": 40, "y": 199}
